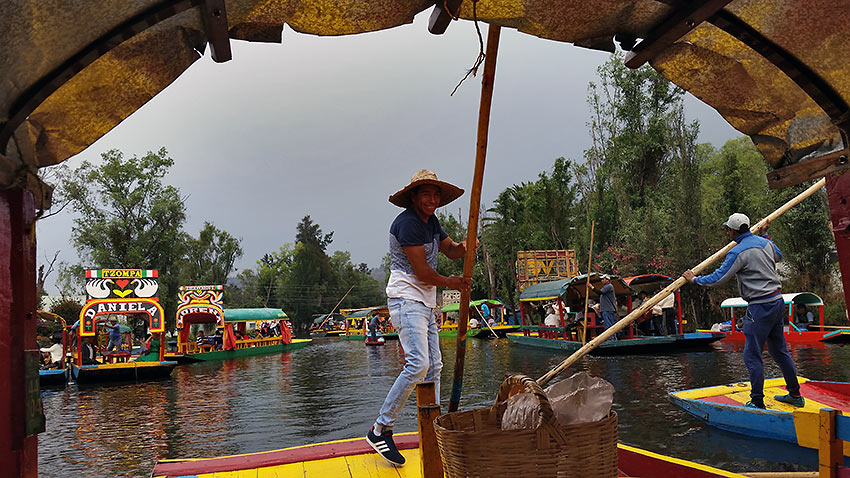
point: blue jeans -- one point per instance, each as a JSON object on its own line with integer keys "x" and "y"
{"x": 418, "y": 333}
{"x": 608, "y": 320}
{"x": 763, "y": 323}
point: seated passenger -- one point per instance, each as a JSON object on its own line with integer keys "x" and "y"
{"x": 54, "y": 353}
{"x": 552, "y": 319}
{"x": 474, "y": 324}
{"x": 89, "y": 352}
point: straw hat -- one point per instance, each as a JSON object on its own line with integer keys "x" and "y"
{"x": 448, "y": 192}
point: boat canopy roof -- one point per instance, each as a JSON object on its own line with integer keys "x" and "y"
{"x": 648, "y": 282}
{"x": 253, "y": 315}
{"x": 573, "y": 287}
{"x": 797, "y": 298}
{"x": 321, "y": 318}
{"x": 381, "y": 309}
{"x": 472, "y": 303}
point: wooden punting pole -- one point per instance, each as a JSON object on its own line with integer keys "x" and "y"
{"x": 474, "y": 205}
{"x": 652, "y": 301}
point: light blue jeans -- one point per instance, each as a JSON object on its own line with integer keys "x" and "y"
{"x": 417, "y": 329}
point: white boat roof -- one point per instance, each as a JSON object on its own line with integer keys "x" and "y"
{"x": 796, "y": 297}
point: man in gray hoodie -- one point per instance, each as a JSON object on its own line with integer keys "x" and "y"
{"x": 753, "y": 262}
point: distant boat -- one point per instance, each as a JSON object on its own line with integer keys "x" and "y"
{"x": 500, "y": 327}
{"x": 568, "y": 336}
{"x": 357, "y": 323}
{"x": 795, "y": 333}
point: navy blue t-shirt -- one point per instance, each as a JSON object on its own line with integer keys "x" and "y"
{"x": 409, "y": 230}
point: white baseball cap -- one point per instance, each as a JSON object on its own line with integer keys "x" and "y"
{"x": 737, "y": 221}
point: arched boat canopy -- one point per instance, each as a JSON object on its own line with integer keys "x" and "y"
{"x": 648, "y": 282}
{"x": 797, "y": 298}
{"x": 253, "y": 315}
{"x": 200, "y": 304}
{"x": 473, "y": 303}
{"x": 380, "y": 310}
{"x": 571, "y": 289}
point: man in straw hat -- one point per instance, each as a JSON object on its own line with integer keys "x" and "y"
{"x": 753, "y": 262}
{"x": 415, "y": 240}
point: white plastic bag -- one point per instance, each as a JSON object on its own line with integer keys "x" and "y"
{"x": 581, "y": 398}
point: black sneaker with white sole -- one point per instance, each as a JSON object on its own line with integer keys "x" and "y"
{"x": 385, "y": 446}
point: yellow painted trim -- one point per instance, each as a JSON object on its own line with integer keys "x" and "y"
{"x": 807, "y": 426}
{"x": 539, "y": 298}
{"x": 731, "y": 389}
{"x": 175, "y": 460}
{"x": 679, "y": 461}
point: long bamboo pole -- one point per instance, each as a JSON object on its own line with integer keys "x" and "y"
{"x": 331, "y": 313}
{"x": 651, "y": 302}
{"x": 487, "y": 80}
{"x": 587, "y": 285}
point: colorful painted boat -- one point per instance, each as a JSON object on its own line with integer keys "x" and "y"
{"x": 448, "y": 320}
{"x": 569, "y": 336}
{"x": 58, "y": 376}
{"x": 723, "y": 407}
{"x": 356, "y": 323}
{"x": 202, "y": 305}
{"x": 841, "y": 336}
{"x": 328, "y": 325}
{"x": 354, "y": 458}
{"x": 124, "y": 292}
{"x": 794, "y": 334}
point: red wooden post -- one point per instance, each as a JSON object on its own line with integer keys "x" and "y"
{"x": 820, "y": 313}
{"x": 522, "y": 319}
{"x": 561, "y": 313}
{"x": 838, "y": 191}
{"x": 19, "y": 450}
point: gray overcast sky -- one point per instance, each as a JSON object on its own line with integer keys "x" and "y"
{"x": 331, "y": 126}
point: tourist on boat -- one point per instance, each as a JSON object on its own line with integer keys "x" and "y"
{"x": 416, "y": 238}
{"x": 54, "y": 353}
{"x": 485, "y": 312}
{"x": 668, "y": 315}
{"x": 804, "y": 317}
{"x": 218, "y": 339}
{"x": 753, "y": 262}
{"x": 152, "y": 352}
{"x": 88, "y": 351}
{"x": 474, "y": 323}
{"x": 114, "y": 335}
{"x": 552, "y": 319}
{"x": 607, "y": 303}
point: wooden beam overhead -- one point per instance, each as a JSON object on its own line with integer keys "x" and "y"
{"x": 440, "y": 18}
{"x": 809, "y": 169}
{"x": 214, "y": 15}
{"x": 677, "y": 25}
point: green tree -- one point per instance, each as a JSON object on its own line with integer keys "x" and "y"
{"x": 210, "y": 258}
{"x": 129, "y": 217}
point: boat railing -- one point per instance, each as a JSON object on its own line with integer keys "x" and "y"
{"x": 260, "y": 342}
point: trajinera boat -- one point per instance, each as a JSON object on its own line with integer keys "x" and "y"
{"x": 723, "y": 407}
{"x": 798, "y": 329}
{"x": 574, "y": 331}
{"x": 328, "y": 325}
{"x": 121, "y": 292}
{"x": 354, "y": 458}
{"x": 59, "y": 375}
{"x": 496, "y": 310}
{"x": 203, "y": 305}
{"x": 357, "y": 323}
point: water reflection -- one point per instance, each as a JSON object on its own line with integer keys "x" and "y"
{"x": 333, "y": 388}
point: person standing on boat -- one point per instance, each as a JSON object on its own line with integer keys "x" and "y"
{"x": 114, "y": 335}
{"x": 416, "y": 238}
{"x": 753, "y": 262}
{"x": 669, "y": 320}
{"x": 607, "y": 303}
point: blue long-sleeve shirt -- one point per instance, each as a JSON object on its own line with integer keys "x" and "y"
{"x": 753, "y": 261}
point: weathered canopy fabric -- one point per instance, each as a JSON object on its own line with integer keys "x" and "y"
{"x": 43, "y": 37}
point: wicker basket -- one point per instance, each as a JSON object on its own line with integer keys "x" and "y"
{"x": 472, "y": 443}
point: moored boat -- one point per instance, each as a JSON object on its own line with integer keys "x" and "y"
{"x": 119, "y": 292}
{"x": 575, "y": 331}
{"x": 51, "y": 377}
{"x": 723, "y": 407}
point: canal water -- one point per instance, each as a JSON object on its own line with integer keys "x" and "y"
{"x": 332, "y": 389}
